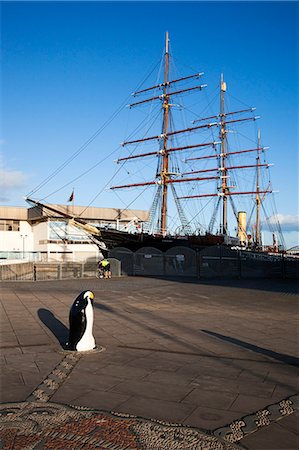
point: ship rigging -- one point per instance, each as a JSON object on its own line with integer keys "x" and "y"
{"x": 214, "y": 165}
{"x": 222, "y": 173}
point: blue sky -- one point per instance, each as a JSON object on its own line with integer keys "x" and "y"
{"x": 67, "y": 67}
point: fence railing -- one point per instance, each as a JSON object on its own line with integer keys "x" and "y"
{"x": 212, "y": 262}
{"x": 29, "y": 271}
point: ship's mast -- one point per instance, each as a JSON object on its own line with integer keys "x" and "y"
{"x": 224, "y": 189}
{"x": 258, "y": 198}
{"x": 165, "y": 162}
{"x": 223, "y": 169}
{"x": 164, "y": 177}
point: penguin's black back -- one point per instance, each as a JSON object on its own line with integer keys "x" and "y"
{"x": 77, "y": 319}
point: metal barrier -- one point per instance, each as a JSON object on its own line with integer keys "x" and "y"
{"x": 181, "y": 262}
{"x": 30, "y": 271}
{"x": 212, "y": 262}
{"x": 18, "y": 271}
{"x": 126, "y": 259}
{"x": 219, "y": 261}
{"x": 149, "y": 261}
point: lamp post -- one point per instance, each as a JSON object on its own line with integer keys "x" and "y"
{"x": 23, "y": 236}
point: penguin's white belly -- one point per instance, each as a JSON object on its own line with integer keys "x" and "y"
{"x": 87, "y": 342}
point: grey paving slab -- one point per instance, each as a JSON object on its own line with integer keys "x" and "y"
{"x": 153, "y": 390}
{"x": 275, "y": 437}
{"x": 210, "y": 418}
{"x": 162, "y": 377}
{"x": 219, "y": 400}
{"x": 40, "y": 348}
{"x": 15, "y": 393}
{"x": 155, "y": 362}
{"x": 248, "y": 403}
{"x": 140, "y": 406}
{"x": 68, "y": 395}
{"x": 291, "y": 423}
{"x": 109, "y": 401}
{"x": 102, "y": 382}
{"x": 123, "y": 371}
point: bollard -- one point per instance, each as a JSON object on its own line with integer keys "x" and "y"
{"x": 81, "y": 323}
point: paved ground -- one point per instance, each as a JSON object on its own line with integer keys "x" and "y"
{"x": 206, "y": 355}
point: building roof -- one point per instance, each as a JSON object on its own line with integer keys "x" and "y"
{"x": 89, "y": 213}
{"x": 13, "y": 212}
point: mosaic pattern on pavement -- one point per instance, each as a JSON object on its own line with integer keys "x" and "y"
{"x": 33, "y": 425}
{"x": 52, "y": 382}
{"x": 238, "y": 429}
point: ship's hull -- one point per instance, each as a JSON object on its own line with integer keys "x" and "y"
{"x": 114, "y": 238}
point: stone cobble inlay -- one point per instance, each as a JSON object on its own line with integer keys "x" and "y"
{"x": 39, "y": 424}
{"x": 251, "y": 423}
{"x": 54, "y": 380}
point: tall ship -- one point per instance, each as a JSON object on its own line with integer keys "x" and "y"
{"x": 207, "y": 187}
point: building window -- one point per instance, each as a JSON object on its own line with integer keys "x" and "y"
{"x": 9, "y": 225}
{"x": 61, "y": 231}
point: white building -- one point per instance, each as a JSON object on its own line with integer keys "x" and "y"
{"x": 37, "y": 234}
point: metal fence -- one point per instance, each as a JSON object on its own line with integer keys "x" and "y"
{"x": 18, "y": 271}
{"x": 211, "y": 262}
{"x": 30, "y": 271}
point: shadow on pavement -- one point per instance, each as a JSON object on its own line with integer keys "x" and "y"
{"x": 199, "y": 350}
{"x": 286, "y": 359}
{"x": 102, "y": 307}
{"x": 56, "y": 327}
{"x": 285, "y": 286}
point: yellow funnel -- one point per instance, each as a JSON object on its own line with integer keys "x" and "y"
{"x": 242, "y": 235}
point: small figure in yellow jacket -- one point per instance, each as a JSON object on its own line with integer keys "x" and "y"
{"x": 105, "y": 265}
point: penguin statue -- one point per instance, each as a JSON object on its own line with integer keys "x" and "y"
{"x": 81, "y": 322}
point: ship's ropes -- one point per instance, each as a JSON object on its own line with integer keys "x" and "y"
{"x": 213, "y": 217}
{"x": 80, "y": 150}
{"x": 186, "y": 228}
{"x": 275, "y": 227}
{"x": 83, "y": 147}
{"x": 150, "y": 226}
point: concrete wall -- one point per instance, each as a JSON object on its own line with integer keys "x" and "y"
{"x": 17, "y": 240}
{"x": 41, "y": 235}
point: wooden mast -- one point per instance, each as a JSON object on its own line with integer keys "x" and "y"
{"x": 223, "y": 169}
{"x": 165, "y": 162}
{"x": 258, "y": 198}
{"x": 163, "y": 176}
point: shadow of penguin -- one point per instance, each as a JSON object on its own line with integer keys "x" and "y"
{"x": 57, "y": 328}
